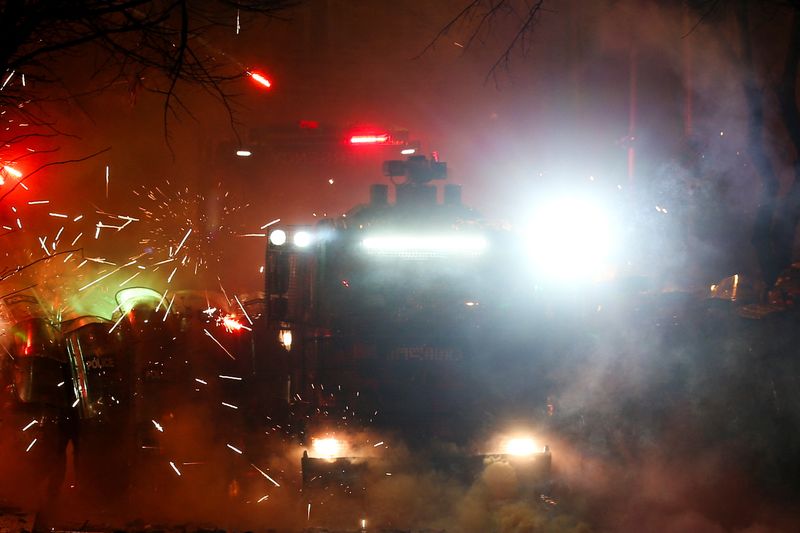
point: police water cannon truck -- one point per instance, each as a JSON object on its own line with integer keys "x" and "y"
{"x": 403, "y": 320}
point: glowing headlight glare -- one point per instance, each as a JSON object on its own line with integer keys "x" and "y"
{"x": 327, "y": 448}
{"x": 302, "y": 239}
{"x": 277, "y": 237}
{"x": 520, "y": 446}
{"x": 571, "y": 238}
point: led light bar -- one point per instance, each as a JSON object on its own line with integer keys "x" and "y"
{"x": 424, "y": 246}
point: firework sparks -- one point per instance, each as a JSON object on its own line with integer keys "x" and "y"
{"x": 234, "y": 448}
{"x": 243, "y": 309}
{"x": 161, "y": 301}
{"x": 196, "y": 247}
{"x": 8, "y": 79}
{"x": 265, "y": 475}
{"x": 130, "y": 278}
{"x": 219, "y": 344}
{"x": 270, "y": 223}
{"x": 117, "y": 323}
{"x": 166, "y": 312}
{"x": 182, "y": 241}
{"x": 44, "y": 246}
{"x": 175, "y": 468}
{"x": 12, "y": 171}
{"x": 230, "y": 324}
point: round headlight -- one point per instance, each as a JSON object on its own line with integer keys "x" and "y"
{"x": 277, "y": 237}
{"x": 302, "y": 239}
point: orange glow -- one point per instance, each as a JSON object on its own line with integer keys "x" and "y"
{"x": 370, "y": 139}
{"x": 260, "y": 79}
{"x": 230, "y": 323}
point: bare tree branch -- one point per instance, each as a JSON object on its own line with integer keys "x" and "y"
{"x": 464, "y": 13}
{"x": 11, "y": 272}
{"x": 524, "y": 29}
{"x": 129, "y": 37}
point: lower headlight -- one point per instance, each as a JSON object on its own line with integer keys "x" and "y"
{"x": 327, "y": 448}
{"x": 521, "y": 446}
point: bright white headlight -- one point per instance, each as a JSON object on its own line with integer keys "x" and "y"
{"x": 277, "y": 237}
{"x": 302, "y": 239}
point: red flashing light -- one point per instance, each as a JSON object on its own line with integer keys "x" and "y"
{"x": 260, "y": 79}
{"x": 382, "y": 138}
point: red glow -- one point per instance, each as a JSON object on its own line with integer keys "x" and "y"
{"x": 309, "y": 124}
{"x": 260, "y": 79}
{"x": 28, "y": 350}
{"x": 370, "y": 139}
